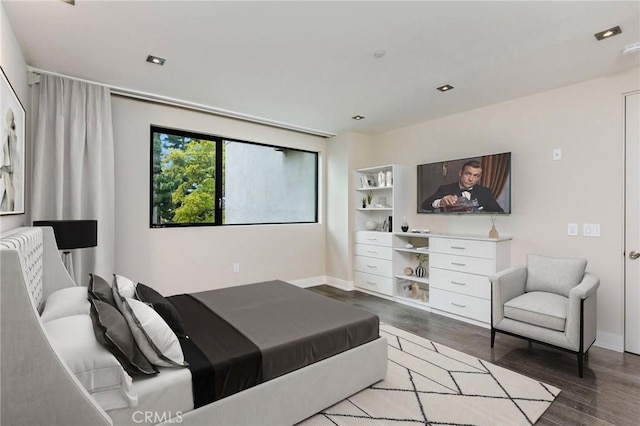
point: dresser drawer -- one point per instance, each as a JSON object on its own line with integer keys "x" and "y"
{"x": 369, "y": 250}
{"x": 460, "y": 282}
{"x": 473, "y": 265}
{"x": 483, "y": 249}
{"x": 373, "y": 266}
{"x": 375, "y": 283}
{"x": 374, "y": 238}
{"x": 460, "y": 304}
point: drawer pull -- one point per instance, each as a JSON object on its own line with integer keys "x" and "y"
{"x": 372, "y": 239}
{"x": 371, "y": 283}
{"x": 458, "y": 264}
{"x": 458, "y": 305}
{"x": 458, "y": 283}
{"x": 372, "y": 251}
{"x": 372, "y": 266}
{"x": 458, "y": 247}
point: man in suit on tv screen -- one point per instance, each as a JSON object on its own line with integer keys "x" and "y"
{"x": 464, "y": 196}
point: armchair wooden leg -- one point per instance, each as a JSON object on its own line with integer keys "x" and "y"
{"x": 493, "y": 336}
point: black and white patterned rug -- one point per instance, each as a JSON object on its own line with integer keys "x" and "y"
{"x": 429, "y": 383}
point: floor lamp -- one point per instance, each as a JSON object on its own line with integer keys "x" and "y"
{"x": 72, "y": 234}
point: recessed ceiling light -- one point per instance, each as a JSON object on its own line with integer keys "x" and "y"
{"x": 155, "y": 60}
{"x": 358, "y": 117}
{"x": 379, "y": 53}
{"x": 445, "y": 88}
{"x": 608, "y": 33}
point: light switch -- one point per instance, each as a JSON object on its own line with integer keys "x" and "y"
{"x": 572, "y": 229}
{"x": 557, "y": 154}
{"x": 591, "y": 230}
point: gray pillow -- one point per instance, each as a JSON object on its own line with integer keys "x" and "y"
{"x": 100, "y": 289}
{"x": 554, "y": 275}
{"x": 111, "y": 329}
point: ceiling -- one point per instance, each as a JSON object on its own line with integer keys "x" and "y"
{"x": 312, "y": 64}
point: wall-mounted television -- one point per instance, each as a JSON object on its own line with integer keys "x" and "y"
{"x": 471, "y": 185}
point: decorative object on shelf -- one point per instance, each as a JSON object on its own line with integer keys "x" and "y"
{"x": 415, "y": 290}
{"x": 408, "y": 271}
{"x": 370, "y": 225}
{"x": 405, "y": 225}
{"x": 408, "y": 245}
{"x": 367, "y": 181}
{"x": 390, "y": 224}
{"x": 389, "y": 178}
{"x": 405, "y": 288}
{"x": 493, "y": 233}
{"x": 425, "y": 296}
{"x": 420, "y": 271}
{"x": 364, "y": 202}
{"x": 71, "y": 235}
{"x": 381, "y": 178}
{"x": 382, "y": 201}
{"x": 369, "y": 197}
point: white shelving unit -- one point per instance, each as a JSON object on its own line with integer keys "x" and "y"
{"x": 405, "y": 257}
{"x": 373, "y": 250}
{"x": 389, "y": 199}
{"x": 459, "y": 267}
{"x": 456, "y": 282}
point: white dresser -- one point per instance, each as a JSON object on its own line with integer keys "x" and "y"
{"x": 373, "y": 261}
{"x": 459, "y": 267}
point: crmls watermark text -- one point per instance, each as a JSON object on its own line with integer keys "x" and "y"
{"x": 153, "y": 417}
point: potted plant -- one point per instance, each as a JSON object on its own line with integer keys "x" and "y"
{"x": 369, "y": 197}
{"x": 364, "y": 202}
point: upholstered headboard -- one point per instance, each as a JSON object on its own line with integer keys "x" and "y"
{"x": 37, "y": 386}
{"x": 27, "y": 243}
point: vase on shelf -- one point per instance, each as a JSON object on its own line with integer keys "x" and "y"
{"x": 420, "y": 270}
{"x": 493, "y": 232}
{"x": 405, "y": 225}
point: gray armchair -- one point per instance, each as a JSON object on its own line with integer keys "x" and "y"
{"x": 549, "y": 301}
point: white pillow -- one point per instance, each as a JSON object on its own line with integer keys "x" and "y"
{"x": 93, "y": 365}
{"x": 65, "y": 303}
{"x": 157, "y": 342}
{"x": 122, "y": 287}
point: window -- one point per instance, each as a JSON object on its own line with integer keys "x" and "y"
{"x": 201, "y": 179}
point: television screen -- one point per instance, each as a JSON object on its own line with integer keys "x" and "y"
{"x": 467, "y": 185}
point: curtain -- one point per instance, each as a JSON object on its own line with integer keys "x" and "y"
{"x": 73, "y": 169}
{"x": 495, "y": 170}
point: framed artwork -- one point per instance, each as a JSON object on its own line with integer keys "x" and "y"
{"x": 12, "y": 150}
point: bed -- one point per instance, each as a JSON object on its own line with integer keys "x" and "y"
{"x": 38, "y": 387}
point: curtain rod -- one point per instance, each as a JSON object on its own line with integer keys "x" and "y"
{"x": 165, "y": 100}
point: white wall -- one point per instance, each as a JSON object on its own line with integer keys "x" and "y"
{"x": 347, "y": 152}
{"x": 15, "y": 68}
{"x": 586, "y": 186}
{"x": 179, "y": 260}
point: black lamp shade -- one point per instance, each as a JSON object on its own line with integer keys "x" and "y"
{"x": 73, "y": 234}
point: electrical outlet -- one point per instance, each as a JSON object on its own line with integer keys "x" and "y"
{"x": 236, "y": 267}
{"x": 572, "y": 229}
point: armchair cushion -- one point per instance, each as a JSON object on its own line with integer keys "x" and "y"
{"x": 553, "y": 275}
{"x": 542, "y": 309}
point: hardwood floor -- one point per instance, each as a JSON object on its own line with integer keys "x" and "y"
{"x": 609, "y": 392}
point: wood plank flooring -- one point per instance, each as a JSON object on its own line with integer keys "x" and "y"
{"x": 609, "y": 392}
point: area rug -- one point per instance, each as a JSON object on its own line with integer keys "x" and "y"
{"x": 429, "y": 383}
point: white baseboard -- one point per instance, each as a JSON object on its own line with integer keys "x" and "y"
{"x": 611, "y": 341}
{"x": 341, "y": 284}
{"x": 309, "y": 282}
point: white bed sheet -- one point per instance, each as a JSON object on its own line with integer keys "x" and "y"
{"x": 160, "y": 398}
